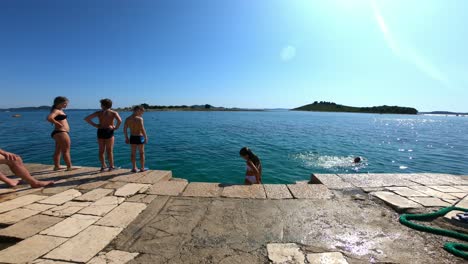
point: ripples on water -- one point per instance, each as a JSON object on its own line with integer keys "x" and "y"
{"x": 204, "y": 146}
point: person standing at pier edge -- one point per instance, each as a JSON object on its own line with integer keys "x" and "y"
{"x": 60, "y": 134}
{"x": 253, "y": 174}
{"x": 109, "y": 121}
{"x": 138, "y": 137}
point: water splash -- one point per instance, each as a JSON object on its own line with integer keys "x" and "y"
{"x": 312, "y": 160}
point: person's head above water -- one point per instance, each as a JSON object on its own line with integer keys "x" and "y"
{"x": 357, "y": 160}
{"x": 247, "y": 154}
{"x": 138, "y": 110}
{"x": 106, "y": 104}
{"x": 60, "y": 102}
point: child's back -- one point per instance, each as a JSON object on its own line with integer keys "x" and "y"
{"x": 135, "y": 124}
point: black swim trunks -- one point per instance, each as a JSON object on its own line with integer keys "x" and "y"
{"x": 56, "y": 132}
{"x": 137, "y": 140}
{"x": 105, "y": 133}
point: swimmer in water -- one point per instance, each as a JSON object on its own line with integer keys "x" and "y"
{"x": 357, "y": 160}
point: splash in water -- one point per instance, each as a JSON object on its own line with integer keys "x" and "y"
{"x": 312, "y": 160}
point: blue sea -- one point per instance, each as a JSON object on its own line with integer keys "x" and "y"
{"x": 204, "y": 146}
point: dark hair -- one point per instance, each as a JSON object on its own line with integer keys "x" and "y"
{"x": 357, "y": 159}
{"x": 107, "y": 103}
{"x": 138, "y": 108}
{"x": 245, "y": 151}
{"x": 57, "y": 101}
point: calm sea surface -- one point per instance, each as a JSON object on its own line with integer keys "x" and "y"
{"x": 204, "y": 146}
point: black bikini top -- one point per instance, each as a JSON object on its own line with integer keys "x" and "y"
{"x": 60, "y": 117}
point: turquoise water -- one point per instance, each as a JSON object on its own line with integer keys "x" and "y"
{"x": 204, "y": 146}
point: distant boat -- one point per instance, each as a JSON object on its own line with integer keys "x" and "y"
{"x": 16, "y": 115}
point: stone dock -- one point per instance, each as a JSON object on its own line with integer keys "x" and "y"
{"x": 151, "y": 217}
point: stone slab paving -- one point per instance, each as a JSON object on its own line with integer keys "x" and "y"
{"x": 407, "y": 192}
{"x": 432, "y": 192}
{"x": 130, "y": 177}
{"x": 113, "y": 257}
{"x": 130, "y": 189}
{"x": 123, "y": 215}
{"x": 285, "y": 253}
{"x": 39, "y": 207}
{"x": 142, "y": 198}
{"x": 102, "y": 206}
{"x": 91, "y": 185}
{"x": 459, "y": 195}
{"x": 50, "y": 261}
{"x": 463, "y": 203}
{"x": 277, "y": 191}
{"x": 464, "y": 188}
{"x": 203, "y": 189}
{"x": 365, "y": 180}
{"x": 62, "y": 197}
{"x": 396, "y": 201}
{"x": 333, "y": 181}
{"x": 446, "y": 189}
{"x": 71, "y": 226}
{"x": 310, "y": 191}
{"x": 16, "y": 215}
{"x": 30, "y": 249}
{"x": 30, "y": 227}
{"x": 67, "y": 209}
{"x": 84, "y": 246}
{"x": 94, "y": 195}
{"x": 171, "y": 188}
{"x": 430, "y": 201}
{"x": 20, "y": 202}
{"x": 254, "y": 191}
{"x": 326, "y": 258}
{"x": 114, "y": 185}
{"x": 155, "y": 176}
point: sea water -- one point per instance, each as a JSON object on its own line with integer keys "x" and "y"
{"x": 204, "y": 146}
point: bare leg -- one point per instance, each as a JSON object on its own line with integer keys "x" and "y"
{"x": 17, "y": 167}
{"x": 133, "y": 157}
{"x": 142, "y": 156}
{"x": 10, "y": 182}
{"x": 65, "y": 145}
{"x": 57, "y": 153}
{"x": 110, "y": 151}
{"x": 102, "y": 149}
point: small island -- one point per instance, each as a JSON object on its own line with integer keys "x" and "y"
{"x": 205, "y": 107}
{"x": 333, "y": 107}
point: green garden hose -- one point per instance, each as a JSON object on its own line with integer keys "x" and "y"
{"x": 456, "y": 249}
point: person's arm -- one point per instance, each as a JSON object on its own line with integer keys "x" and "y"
{"x": 119, "y": 121}
{"x": 126, "y": 132}
{"x": 89, "y": 119}
{"x": 51, "y": 118}
{"x": 8, "y": 155}
{"x": 255, "y": 170}
{"x": 143, "y": 130}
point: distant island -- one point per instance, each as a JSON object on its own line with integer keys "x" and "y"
{"x": 333, "y": 107}
{"x": 205, "y": 107}
{"x": 443, "y": 113}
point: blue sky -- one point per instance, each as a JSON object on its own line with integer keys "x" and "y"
{"x": 265, "y": 53}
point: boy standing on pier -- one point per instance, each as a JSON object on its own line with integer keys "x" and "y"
{"x": 105, "y": 132}
{"x": 138, "y": 137}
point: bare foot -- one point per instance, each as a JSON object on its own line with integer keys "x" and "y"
{"x": 13, "y": 183}
{"x": 57, "y": 168}
{"x": 41, "y": 184}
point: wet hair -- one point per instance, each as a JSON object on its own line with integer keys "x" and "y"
{"x": 107, "y": 103}
{"x": 245, "y": 151}
{"x": 357, "y": 159}
{"x": 138, "y": 108}
{"x": 58, "y": 101}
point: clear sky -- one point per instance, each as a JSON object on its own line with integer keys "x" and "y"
{"x": 264, "y": 53}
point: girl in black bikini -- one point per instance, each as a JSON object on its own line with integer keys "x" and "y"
{"x": 60, "y": 134}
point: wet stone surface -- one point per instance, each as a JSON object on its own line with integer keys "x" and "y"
{"x": 218, "y": 230}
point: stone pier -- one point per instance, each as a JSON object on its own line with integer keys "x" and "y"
{"x": 151, "y": 217}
